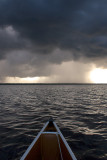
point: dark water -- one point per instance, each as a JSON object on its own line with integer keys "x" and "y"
{"x": 80, "y": 111}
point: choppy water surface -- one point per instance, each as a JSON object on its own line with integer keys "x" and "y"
{"x": 80, "y": 111}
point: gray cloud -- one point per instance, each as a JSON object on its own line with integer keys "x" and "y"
{"x": 10, "y": 40}
{"x": 59, "y": 24}
{"x": 39, "y": 33}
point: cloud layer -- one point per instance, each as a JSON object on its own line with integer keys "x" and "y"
{"x": 36, "y": 34}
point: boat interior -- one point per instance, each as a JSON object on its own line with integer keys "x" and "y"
{"x": 49, "y": 146}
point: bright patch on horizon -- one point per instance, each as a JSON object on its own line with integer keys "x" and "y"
{"x": 22, "y": 80}
{"x": 98, "y": 75}
{"x": 30, "y": 79}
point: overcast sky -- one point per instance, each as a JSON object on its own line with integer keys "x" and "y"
{"x": 57, "y": 40}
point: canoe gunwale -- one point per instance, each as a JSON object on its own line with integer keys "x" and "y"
{"x": 34, "y": 141}
{"x": 65, "y": 142}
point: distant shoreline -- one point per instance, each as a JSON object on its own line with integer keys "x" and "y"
{"x": 53, "y": 83}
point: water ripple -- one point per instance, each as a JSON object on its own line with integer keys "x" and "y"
{"x": 79, "y": 110}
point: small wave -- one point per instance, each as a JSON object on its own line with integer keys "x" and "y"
{"x": 80, "y": 112}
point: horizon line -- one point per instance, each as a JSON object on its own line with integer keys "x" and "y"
{"x": 53, "y": 83}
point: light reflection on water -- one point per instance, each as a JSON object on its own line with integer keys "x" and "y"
{"x": 79, "y": 110}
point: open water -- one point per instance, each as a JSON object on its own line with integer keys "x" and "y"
{"x": 80, "y": 111}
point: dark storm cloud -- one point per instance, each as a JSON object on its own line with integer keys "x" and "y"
{"x": 79, "y": 27}
{"x": 10, "y": 40}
